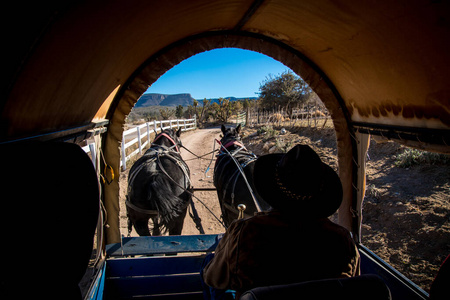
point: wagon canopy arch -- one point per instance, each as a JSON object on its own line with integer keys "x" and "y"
{"x": 384, "y": 67}
{"x": 164, "y": 60}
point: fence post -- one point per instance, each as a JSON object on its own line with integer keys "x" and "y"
{"x": 184, "y": 124}
{"x": 309, "y": 115}
{"x": 178, "y": 124}
{"x": 154, "y": 126}
{"x": 195, "y": 121}
{"x": 139, "y": 139}
{"x": 248, "y": 120}
{"x": 124, "y": 155}
{"x": 148, "y": 133}
{"x": 302, "y": 115}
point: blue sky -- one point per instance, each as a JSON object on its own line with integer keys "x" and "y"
{"x": 218, "y": 73}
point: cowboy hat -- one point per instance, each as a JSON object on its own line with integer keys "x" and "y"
{"x": 298, "y": 182}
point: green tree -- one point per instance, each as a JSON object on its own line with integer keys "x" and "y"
{"x": 195, "y": 104}
{"x": 166, "y": 113}
{"x": 190, "y": 112}
{"x": 215, "y": 111}
{"x": 246, "y": 104}
{"x": 205, "y": 109}
{"x": 179, "y": 111}
{"x": 286, "y": 90}
{"x": 236, "y": 107}
{"x": 224, "y": 110}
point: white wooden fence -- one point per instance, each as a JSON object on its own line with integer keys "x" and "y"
{"x": 135, "y": 136}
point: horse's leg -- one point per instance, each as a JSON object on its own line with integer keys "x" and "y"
{"x": 227, "y": 219}
{"x": 140, "y": 222}
{"x": 156, "y": 226}
{"x": 177, "y": 224}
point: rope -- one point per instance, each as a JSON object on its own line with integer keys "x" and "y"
{"x": 210, "y": 211}
{"x": 192, "y": 194}
{"x": 189, "y": 192}
{"x": 107, "y": 167}
{"x": 196, "y": 156}
{"x": 258, "y": 207}
{"x": 212, "y": 158}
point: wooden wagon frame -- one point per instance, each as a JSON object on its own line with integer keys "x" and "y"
{"x": 74, "y": 70}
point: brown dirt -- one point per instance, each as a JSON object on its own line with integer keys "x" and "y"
{"x": 406, "y": 211}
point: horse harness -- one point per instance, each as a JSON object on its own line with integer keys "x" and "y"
{"x": 154, "y": 154}
{"x": 244, "y": 159}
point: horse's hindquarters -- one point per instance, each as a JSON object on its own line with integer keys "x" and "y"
{"x": 158, "y": 183}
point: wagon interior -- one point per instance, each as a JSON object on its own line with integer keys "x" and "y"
{"x": 75, "y": 69}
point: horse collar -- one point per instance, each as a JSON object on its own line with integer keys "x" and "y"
{"x": 231, "y": 143}
{"x": 169, "y": 138}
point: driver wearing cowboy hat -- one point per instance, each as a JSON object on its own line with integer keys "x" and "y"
{"x": 293, "y": 242}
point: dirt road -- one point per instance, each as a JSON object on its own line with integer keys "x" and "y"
{"x": 200, "y": 141}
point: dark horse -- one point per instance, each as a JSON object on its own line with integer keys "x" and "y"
{"x": 159, "y": 187}
{"x": 232, "y": 189}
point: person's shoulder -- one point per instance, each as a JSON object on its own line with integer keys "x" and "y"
{"x": 328, "y": 224}
{"x": 263, "y": 220}
{"x": 336, "y": 230}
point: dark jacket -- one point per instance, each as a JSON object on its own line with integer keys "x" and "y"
{"x": 269, "y": 249}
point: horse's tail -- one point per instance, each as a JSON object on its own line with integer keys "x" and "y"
{"x": 168, "y": 205}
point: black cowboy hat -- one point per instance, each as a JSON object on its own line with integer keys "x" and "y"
{"x": 298, "y": 182}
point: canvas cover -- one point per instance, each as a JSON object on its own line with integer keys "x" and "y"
{"x": 371, "y": 62}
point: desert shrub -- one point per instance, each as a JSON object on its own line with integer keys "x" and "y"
{"x": 284, "y": 145}
{"x": 411, "y": 157}
{"x": 267, "y": 131}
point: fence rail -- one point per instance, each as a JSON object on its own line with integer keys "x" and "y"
{"x": 142, "y": 132}
{"x": 310, "y": 115}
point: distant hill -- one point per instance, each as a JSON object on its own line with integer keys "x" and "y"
{"x": 153, "y": 99}
{"x": 164, "y": 100}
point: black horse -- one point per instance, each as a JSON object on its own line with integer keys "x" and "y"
{"x": 159, "y": 187}
{"x": 231, "y": 186}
